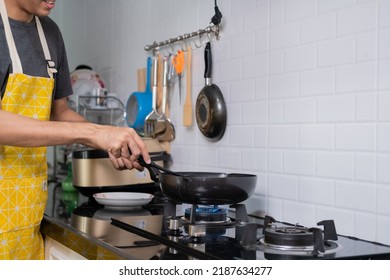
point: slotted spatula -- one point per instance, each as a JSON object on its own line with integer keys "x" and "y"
{"x": 151, "y": 119}
{"x": 164, "y": 123}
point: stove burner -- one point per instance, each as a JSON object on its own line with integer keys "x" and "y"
{"x": 206, "y": 214}
{"x": 299, "y": 238}
{"x": 289, "y": 236}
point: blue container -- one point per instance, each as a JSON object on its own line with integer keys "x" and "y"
{"x": 139, "y": 103}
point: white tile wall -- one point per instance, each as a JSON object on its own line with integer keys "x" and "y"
{"x": 383, "y": 71}
{"x": 336, "y": 52}
{"x": 307, "y": 89}
{"x": 321, "y": 27}
{"x": 316, "y": 191}
{"x": 383, "y": 105}
{"x": 355, "y": 137}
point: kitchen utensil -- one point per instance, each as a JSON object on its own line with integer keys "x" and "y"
{"x": 164, "y": 123}
{"x": 171, "y": 71}
{"x": 141, "y": 79}
{"x": 204, "y": 188}
{"x": 178, "y": 63}
{"x": 160, "y": 66}
{"x": 139, "y": 104}
{"x": 122, "y": 200}
{"x": 161, "y": 122}
{"x": 152, "y": 117}
{"x": 187, "y": 111}
{"x": 168, "y": 135}
{"x": 210, "y": 104}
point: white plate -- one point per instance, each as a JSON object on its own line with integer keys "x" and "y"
{"x": 123, "y": 199}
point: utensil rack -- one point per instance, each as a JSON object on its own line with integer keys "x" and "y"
{"x": 212, "y": 29}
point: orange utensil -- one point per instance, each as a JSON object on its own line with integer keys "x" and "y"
{"x": 178, "y": 63}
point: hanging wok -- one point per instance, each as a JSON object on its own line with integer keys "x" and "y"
{"x": 205, "y": 188}
{"x": 210, "y": 109}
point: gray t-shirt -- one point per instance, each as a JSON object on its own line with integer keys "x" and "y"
{"x": 31, "y": 54}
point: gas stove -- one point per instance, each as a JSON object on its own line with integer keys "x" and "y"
{"x": 224, "y": 233}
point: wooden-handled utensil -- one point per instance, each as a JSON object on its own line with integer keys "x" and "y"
{"x": 187, "y": 110}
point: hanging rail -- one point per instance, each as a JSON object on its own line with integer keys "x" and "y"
{"x": 215, "y": 29}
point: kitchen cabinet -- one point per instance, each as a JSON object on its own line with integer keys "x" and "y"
{"x": 57, "y": 251}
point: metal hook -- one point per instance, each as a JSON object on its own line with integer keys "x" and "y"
{"x": 185, "y": 37}
{"x": 154, "y": 50}
{"x": 169, "y": 43}
{"x": 216, "y": 32}
{"x": 200, "y": 40}
{"x": 180, "y": 40}
{"x": 208, "y": 31}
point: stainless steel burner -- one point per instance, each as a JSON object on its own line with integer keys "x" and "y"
{"x": 205, "y": 214}
{"x": 289, "y": 236}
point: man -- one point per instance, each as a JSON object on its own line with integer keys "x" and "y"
{"x": 35, "y": 83}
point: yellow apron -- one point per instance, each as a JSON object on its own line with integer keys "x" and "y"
{"x": 23, "y": 171}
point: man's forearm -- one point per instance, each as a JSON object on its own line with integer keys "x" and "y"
{"x": 22, "y": 131}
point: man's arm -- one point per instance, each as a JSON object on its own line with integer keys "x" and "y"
{"x": 68, "y": 127}
{"x": 60, "y": 111}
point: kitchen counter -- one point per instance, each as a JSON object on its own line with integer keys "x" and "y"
{"x": 58, "y": 225}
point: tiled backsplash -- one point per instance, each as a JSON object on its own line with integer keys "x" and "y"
{"x": 307, "y": 86}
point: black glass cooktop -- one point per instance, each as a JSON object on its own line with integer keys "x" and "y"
{"x": 213, "y": 232}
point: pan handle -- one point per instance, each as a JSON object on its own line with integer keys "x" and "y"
{"x": 154, "y": 172}
{"x": 208, "y": 63}
{"x": 154, "y": 169}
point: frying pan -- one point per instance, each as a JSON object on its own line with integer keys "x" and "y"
{"x": 205, "y": 188}
{"x": 210, "y": 109}
{"x": 139, "y": 104}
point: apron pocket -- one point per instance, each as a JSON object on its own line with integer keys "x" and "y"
{"x": 24, "y": 203}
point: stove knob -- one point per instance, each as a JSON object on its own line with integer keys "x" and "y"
{"x": 197, "y": 246}
{"x": 197, "y": 231}
{"x": 173, "y": 251}
{"x": 174, "y": 224}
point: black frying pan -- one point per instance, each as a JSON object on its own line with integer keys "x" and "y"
{"x": 205, "y": 188}
{"x": 210, "y": 109}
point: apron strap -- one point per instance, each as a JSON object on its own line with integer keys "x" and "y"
{"x": 16, "y": 63}
{"x": 50, "y": 63}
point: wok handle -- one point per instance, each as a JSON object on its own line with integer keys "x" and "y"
{"x": 154, "y": 173}
{"x": 154, "y": 169}
{"x": 208, "y": 63}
